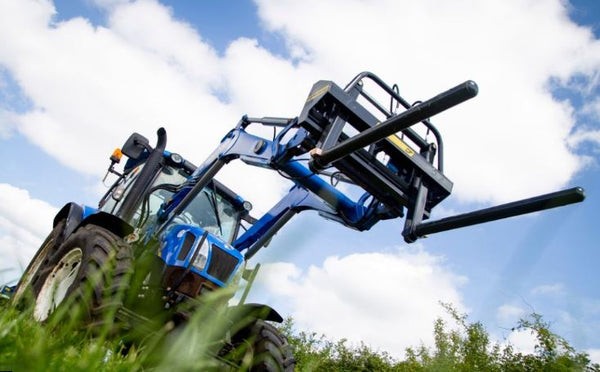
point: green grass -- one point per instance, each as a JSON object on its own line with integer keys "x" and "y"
{"x": 63, "y": 344}
{"x": 26, "y": 345}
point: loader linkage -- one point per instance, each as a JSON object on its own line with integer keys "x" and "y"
{"x": 353, "y": 138}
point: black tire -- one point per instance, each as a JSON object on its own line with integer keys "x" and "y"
{"x": 39, "y": 267}
{"x": 260, "y": 347}
{"x": 97, "y": 265}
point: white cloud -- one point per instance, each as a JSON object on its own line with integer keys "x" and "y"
{"x": 108, "y": 4}
{"x": 7, "y": 124}
{"x": 92, "y": 86}
{"x": 585, "y": 136}
{"x": 514, "y": 126}
{"x": 508, "y": 313}
{"x": 523, "y": 341}
{"x": 386, "y": 300}
{"x": 145, "y": 69}
{"x": 24, "y": 223}
{"x": 594, "y": 355}
{"x": 556, "y": 289}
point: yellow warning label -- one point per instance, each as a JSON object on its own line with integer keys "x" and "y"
{"x": 401, "y": 145}
{"x": 318, "y": 92}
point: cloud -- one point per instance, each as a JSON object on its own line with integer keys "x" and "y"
{"x": 24, "y": 223}
{"x": 553, "y": 290}
{"x": 523, "y": 341}
{"x": 514, "y": 126}
{"x": 585, "y": 136}
{"x": 594, "y": 355}
{"x": 7, "y": 124}
{"x": 386, "y": 300}
{"x": 145, "y": 68}
{"x": 90, "y": 87}
{"x": 509, "y": 313}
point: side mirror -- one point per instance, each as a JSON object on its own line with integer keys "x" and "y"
{"x": 135, "y": 146}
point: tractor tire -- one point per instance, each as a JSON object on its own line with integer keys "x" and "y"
{"x": 39, "y": 267}
{"x": 261, "y": 348}
{"x": 89, "y": 278}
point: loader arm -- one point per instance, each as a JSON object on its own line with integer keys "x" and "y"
{"x": 353, "y": 138}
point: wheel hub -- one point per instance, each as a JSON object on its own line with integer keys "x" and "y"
{"x": 55, "y": 287}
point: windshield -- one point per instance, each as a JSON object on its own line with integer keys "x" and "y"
{"x": 212, "y": 212}
{"x": 208, "y": 210}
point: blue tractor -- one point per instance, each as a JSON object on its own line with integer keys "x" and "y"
{"x": 198, "y": 233}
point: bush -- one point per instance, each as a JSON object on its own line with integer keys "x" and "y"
{"x": 30, "y": 346}
{"x": 467, "y": 348}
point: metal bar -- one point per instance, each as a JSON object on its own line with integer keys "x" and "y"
{"x": 144, "y": 179}
{"x": 535, "y": 204}
{"x": 376, "y": 104}
{"x": 276, "y": 122}
{"x": 416, "y": 210}
{"x": 338, "y": 175}
{"x": 269, "y": 233}
{"x": 334, "y": 197}
{"x": 249, "y": 284}
{"x": 413, "y": 115}
{"x": 200, "y": 184}
{"x": 416, "y": 138}
{"x": 406, "y": 104}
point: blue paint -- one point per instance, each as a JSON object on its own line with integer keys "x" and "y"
{"x": 88, "y": 211}
{"x": 172, "y": 242}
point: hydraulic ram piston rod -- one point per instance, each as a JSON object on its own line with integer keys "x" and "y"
{"x": 412, "y": 116}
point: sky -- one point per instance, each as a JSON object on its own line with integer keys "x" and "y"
{"x": 77, "y": 77}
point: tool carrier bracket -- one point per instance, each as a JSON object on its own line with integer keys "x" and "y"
{"x": 391, "y": 161}
{"x": 397, "y": 174}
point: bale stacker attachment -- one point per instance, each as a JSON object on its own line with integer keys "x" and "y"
{"x": 381, "y": 152}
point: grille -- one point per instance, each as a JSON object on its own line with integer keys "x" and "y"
{"x": 221, "y": 264}
{"x": 185, "y": 247}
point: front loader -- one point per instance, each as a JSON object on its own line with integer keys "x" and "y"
{"x": 198, "y": 233}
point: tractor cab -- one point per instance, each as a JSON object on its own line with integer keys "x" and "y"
{"x": 217, "y": 209}
{"x": 195, "y": 242}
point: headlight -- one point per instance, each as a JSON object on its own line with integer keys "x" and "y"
{"x": 202, "y": 256}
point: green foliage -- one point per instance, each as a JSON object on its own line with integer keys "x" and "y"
{"x": 464, "y": 348}
{"x": 26, "y": 345}
{"x": 315, "y": 353}
{"x": 63, "y": 344}
{"x": 58, "y": 345}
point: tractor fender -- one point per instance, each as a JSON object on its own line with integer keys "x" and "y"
{"x": 76, "y": 216}
{"x": 72, "y": 214}
{"x": 257, "y": 311}
{"x": 108, "y": 221}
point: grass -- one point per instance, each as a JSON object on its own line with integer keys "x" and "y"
{"x": 26, "y": 345}
{"x": 62, "y": 344}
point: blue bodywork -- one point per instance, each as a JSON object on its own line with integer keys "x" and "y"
{"x": 88, "y": 211}
{"x": 310, "y": 192}
{"x": 173, "y": 242}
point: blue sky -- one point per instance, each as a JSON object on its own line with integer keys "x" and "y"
{"x": 78, "y": 77}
